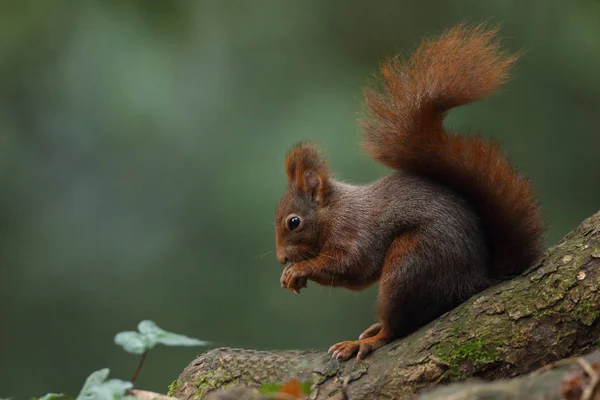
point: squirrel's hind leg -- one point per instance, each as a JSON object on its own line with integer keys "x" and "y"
{"x": 390, "y": 313}
{"x": 371, "y": 331}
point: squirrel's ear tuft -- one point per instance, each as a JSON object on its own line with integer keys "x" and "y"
{"x": 306, "y": 170}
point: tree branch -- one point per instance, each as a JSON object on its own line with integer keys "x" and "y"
{"x": 548, "y": 313}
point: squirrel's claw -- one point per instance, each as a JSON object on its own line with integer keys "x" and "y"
{"x": 362, "y": 348}
{"x": 293, "y": 278}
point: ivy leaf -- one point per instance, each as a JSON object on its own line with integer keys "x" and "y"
{"x": 96, "y": 387}
{"x": 95, "y": 378}
{"x": 134, "y": 342}
{"x": 150, "y": 335}
{"x": 148, "y": 327}
{"x": 153, "y": 332}
{"x": 174, "y": 339}
{"x": 113, "y": 389}
{"x": 307, "y": 387}
{"x": 267, "y": 388}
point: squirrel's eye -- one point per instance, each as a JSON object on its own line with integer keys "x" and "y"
{"x": 293, "y": 223}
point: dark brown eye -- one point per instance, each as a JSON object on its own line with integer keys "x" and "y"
{"x": 293, "y": 223}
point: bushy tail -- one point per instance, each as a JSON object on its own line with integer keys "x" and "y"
{"x": 404, "y": 130}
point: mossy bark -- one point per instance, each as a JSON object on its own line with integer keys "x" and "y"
{"x": 566, "y": 381}
{"x": 550, "y": 312}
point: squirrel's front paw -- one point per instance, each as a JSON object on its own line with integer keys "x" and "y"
{"x": 293, "y": 278}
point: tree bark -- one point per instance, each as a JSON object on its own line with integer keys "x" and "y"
{"x": 568, "y": 381}
{"x": 550, "y": 312}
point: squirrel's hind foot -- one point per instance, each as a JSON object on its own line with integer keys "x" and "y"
{"x": 363, "y": 347}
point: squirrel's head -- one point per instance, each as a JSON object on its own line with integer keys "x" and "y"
{"x": 297, "y": 223}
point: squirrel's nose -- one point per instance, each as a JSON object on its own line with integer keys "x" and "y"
{"x": 282, "y": 258}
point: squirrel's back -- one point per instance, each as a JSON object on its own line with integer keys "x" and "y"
{"x": 404, "y": 130}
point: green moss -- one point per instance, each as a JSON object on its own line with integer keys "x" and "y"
{"x": 477, "y": 352}
{"x": 173, "y": 387}
{"x": 211, "y": 380}
{"x": 586, "y": 312}
{"x": 454, "y": 374}
{"x": 270, "y": 387}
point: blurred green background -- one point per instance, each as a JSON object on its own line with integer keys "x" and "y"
{"x": 141, "y": 153}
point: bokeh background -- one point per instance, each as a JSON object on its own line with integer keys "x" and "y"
{"x": 141, "y": 154}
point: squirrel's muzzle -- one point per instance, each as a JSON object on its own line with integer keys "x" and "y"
{"x": 281, "y": 257}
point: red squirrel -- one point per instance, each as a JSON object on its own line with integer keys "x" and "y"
{"x": 452, "y": 219}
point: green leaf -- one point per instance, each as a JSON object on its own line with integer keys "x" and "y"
{"x": 117, "y": 385}
{"x": 52, "y": 396}
{"x": 95, "y": 378}
{"x": 158, "y": 335}
{"x": 151, "y": 334}
{"x": 96, "y": 387}
{"x": 174, "y": 339}
{"x": 134, "y": 342}
{"x": 113, "y": 389}
{"x": 270, "y": 388}
{"x": 148, "y": 327}
{"x": 306, "y": 387}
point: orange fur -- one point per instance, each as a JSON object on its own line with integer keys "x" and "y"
{"x": 306, "y": 170}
